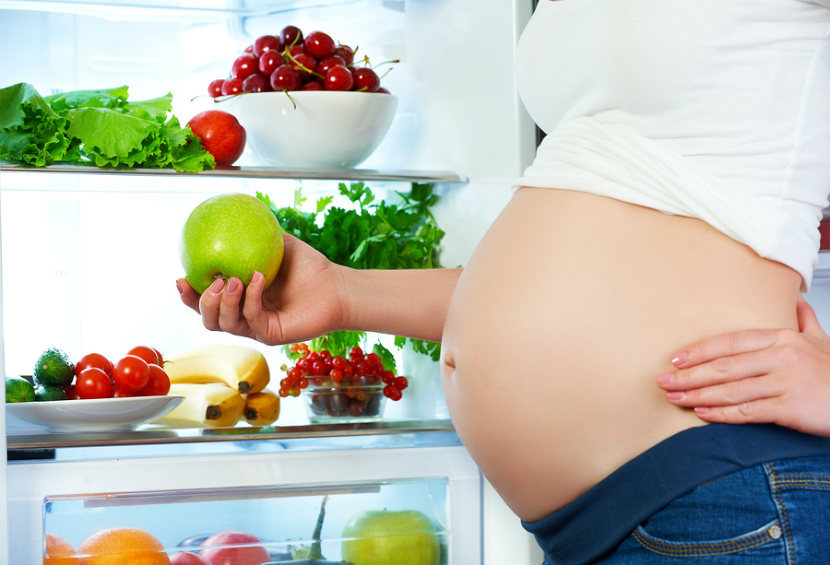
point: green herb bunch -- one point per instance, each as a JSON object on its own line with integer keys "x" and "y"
{"x": 373, "y": 234}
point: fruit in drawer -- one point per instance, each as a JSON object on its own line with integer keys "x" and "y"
{"x": 387, "y": 537}
{"x": 242, "y": 368}
{"x": 122, "y": 546}
{"x": 54, "y": 368}
{"x": 187, "y": 558}
{"x": 248, "y": 551}
{"x": 261, "y": 408}
{"x": 19, "y": 389}
{"x": 230, "y": 235}
{"x": 221, "y": 133}
{"x": 58, "y": 551}
{"x": 204, "y": 405}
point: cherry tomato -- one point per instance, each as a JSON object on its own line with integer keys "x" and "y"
{"x": 158, "y": 385}
{"x": 118, "y": 392}
{"x": 93, "y": 360}
{"x": 149, "y": 354}
{"x": 131, "y": 373}
{"x": 93, "y": 383}
{"x": 71, "y": 392}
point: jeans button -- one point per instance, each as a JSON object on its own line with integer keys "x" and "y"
{"x": 774, "y": 532}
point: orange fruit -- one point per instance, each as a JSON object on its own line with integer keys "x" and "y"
{"x": 58, "y": 551}
{"x": 122, "y": 546}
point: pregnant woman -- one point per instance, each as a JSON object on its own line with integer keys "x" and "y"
{"x": 676, "y": 197}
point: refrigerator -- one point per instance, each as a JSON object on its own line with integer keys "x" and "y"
{"x": 90, "y": 256}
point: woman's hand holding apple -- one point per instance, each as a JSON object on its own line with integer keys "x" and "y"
{"x": 303, "y": 301}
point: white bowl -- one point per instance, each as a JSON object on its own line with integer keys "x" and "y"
{"x": 313, "y": 129}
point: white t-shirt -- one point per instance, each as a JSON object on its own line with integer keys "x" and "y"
{"x": 713, "y": 109}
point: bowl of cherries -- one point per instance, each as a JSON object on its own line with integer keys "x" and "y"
{"x": 341, "y": 389}
{"x": 307, "y": 101}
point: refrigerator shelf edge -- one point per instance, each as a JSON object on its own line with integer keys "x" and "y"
{"x": 47, "y": 440}
{"x": 260, "y": 172}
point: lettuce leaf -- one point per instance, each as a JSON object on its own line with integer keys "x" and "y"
{"x": 96, "y": 127}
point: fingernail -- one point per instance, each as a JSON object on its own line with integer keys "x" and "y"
{"x": 179, "y": 287}
{"x": 678, "y": 359}
{"x": 701, "y": 410}
{"x": 257, "y": 277}
{"x": 216, "y": 286}
{"x": 233, "y": 284}
{"x": 665, "y": 378}
{"x": 676, "y": 395}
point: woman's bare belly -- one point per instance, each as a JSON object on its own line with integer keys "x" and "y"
{"x": 563, "y": 318}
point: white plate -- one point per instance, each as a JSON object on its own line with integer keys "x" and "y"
{"x": 104, "y": 414}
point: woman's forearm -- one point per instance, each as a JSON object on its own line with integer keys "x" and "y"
{"x": 411, "y": 303}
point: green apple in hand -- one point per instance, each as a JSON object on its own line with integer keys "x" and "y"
{"x": 230, "y": 235}
{"x": 387, "y": 537}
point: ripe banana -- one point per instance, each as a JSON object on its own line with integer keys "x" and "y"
{"x": 242, "y": 368}
{"x": 261, "y": 408}
{"x": 212, "y": 405}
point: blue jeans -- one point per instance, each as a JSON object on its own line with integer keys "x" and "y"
{"x": 775, "y": 513}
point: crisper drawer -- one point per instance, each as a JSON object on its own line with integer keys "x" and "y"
{"x": 413, "y": 505}
{"x": 400, "y": 521}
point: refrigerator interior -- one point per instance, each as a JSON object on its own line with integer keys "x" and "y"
{"x": 89, "y": 261}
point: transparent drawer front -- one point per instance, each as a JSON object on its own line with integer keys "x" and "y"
{"x": 395, "y": 522}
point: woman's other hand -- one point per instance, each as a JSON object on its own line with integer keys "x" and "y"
{"x": 302, "y": 302}
{"x": 778, "y": 376}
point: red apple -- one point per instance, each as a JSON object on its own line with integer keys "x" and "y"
{"x": 187, "y": 558}
{"x": 221, "y": 134}
{"x": 248, "y": 554}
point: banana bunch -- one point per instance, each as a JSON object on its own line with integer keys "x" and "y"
{"x": 221, "y": 385}
{"x": 214, "y": 405}
{"x": 242, "y": 368}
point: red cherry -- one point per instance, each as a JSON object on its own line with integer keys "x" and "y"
{"x": 365, "y": 79}
{"x": 346, "y": 52}
{"x": 285, "y": 78}
{"x": 215, "y": 87}
{"x": 291, "y": 35}
{"x": 232, "y": 86}
{"x": 319, "y": 44}
{"x": 313, "y": 85}
{"x": 326, "y": 63}
{"x": 244, "y": 66}
{"x": 304, "y": 64}
{"x": 256, "y": 83}
{"x": 269, "y": 61}
{"x": 266, "y": 43}
{"x": 339, "y": 78}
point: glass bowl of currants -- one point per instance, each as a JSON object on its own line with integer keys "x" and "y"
{"x": 341, "y": 389}
{"x": 307, "y": 101}
{"x": 329, "y": 402}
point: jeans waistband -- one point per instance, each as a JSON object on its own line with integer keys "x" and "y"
{"x": 596, "y": 521}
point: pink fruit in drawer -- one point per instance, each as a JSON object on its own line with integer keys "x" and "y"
{"x": 247, "y": 554}
{"x": 187, "y": 558}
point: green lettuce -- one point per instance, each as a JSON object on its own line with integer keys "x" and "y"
{"x": 96, "y": 127}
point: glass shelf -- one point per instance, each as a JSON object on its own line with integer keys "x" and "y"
{"x": 259, "y": 173}
{"x": 19, "y": 444}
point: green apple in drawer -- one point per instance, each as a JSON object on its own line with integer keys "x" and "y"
{"x": 387, "y": 537}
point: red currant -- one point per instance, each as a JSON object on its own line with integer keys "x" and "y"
{"x": 401, "y": 383}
